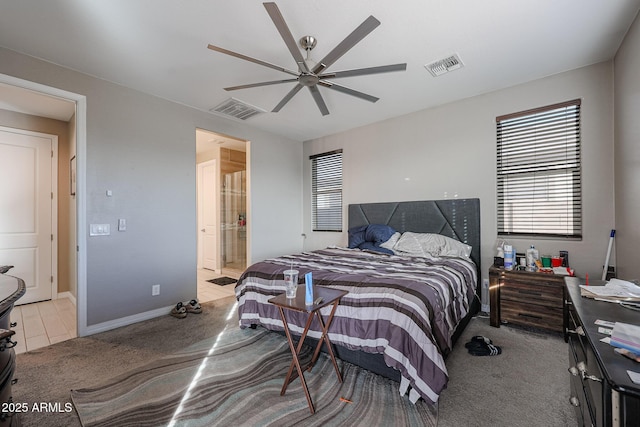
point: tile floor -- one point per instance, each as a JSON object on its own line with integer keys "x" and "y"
{"x": 209, "y": 291}
{"x": 48, "y": 322}
{"x": 43, "y": 323}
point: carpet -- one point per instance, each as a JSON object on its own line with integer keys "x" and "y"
{"x": 222, "y": 281}
{"x": 235, "y": 379}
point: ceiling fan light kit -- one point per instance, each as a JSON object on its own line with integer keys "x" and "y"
{"x": 311, "y": 74}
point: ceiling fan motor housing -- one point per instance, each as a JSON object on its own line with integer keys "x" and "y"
{"x": 308, "y": 42}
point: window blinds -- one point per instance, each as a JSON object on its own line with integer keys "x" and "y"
{"x": 538, "y": 168}
{"x": 326, "y": 191}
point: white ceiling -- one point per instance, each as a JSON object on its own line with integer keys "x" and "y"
{"x": 160, "y": 47}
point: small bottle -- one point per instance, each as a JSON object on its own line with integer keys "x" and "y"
{"x": 532, "y": 257}
{"x": 308, "y": 296}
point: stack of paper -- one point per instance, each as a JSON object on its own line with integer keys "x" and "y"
{"x": 613, "y": 290}
{"x": 626, "y": 336}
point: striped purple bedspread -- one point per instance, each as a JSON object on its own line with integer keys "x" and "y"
{"x": 406, "y": 308}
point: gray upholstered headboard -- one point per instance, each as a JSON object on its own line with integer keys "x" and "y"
{"x": 455, "y": 218}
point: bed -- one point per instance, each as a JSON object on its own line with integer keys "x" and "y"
{"x": 404, "y": 311}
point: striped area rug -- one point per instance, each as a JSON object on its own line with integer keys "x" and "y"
{"x": 235, "y": 380}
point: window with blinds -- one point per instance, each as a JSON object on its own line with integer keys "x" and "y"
{"x": 539, "y": 179}
{"x": 326, "y": 191}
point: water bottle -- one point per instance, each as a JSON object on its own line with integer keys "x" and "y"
{"x": 532, "y": 257}
{"x": 508, "y": 257}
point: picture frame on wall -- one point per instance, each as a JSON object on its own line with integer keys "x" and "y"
{"x": 72, "y": 175}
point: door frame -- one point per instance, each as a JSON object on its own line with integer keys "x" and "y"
{"x": 54, "y": 203}
{"x": 81, "y": 200}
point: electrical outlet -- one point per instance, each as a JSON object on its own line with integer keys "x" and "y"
{"x": 155, "y": 290}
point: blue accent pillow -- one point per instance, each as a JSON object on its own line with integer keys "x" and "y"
{"x": 374, "y": 247}
{"x": 356, "y": 236}
{"x": 378, "y": 233}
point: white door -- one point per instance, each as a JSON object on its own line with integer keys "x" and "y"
{"x": 207, "y": 172}
{"x": 27, "y": 200}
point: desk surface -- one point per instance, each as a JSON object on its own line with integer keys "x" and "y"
{"x": 614, "y": 365}
{"x": 329, "y": 295}
{"x": 11, "y": 288}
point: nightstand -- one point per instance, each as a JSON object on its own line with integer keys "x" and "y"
{"x": 526, "y": 298}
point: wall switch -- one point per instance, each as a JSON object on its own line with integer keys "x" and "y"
{"x": 122, "y": 224}
{"x": 155, "y": 290}
{"x": 99, "y": 230}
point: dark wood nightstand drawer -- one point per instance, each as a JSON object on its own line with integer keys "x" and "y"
{"x": 540, "y": 316}
{"x": 536, "y": 293}
{"x": 526, "y": 298}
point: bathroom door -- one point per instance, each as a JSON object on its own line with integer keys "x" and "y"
{"x": 207, "y": 182}
{"x": 28, "y": 200}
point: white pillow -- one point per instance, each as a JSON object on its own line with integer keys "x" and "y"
{"x": 389, "y": 244}
{"x": 428, "y": 244}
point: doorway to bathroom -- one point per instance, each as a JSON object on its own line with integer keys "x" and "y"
{"x": 222, "y": 195}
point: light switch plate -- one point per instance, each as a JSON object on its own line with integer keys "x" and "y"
{"x": 122, "y": 224}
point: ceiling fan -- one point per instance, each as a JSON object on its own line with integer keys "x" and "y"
{"x": 313, "y": 75}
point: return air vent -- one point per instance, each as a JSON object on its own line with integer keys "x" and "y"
{"x": 237, "y": 109}
{"x": 445, "y": 65}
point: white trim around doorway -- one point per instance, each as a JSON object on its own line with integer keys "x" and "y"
{"x": 81, "y": 203}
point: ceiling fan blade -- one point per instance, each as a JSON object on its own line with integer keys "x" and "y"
{"x": 348, "y": 91}
{"x": 285, "y": 33}
{"x": 364, "y": 71}
{"x": 287, "y": 98}
{"x": 250, "y": 59}
{"x": 350, "y": 41}
{"x": 315, "y": 92}
{"x": 247, "y": 86}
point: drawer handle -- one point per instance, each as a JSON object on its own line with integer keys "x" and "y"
{"x": 581, "y": 370}
{"x": 522, "y": 291}
{"x": 533, "y": 316}
{"x": 574, "y": 401}
{"x": 579, "y": 330}
{"x": 7, "y": 344}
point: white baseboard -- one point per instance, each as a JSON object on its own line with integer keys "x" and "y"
{"x": 68, "y": 295}
{"x": 129, "y": 320}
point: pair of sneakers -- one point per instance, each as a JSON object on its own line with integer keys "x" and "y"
{"x": 482, "y": 346}
{"x": 181, "y": 309}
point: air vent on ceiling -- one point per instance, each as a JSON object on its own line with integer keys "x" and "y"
{"x": 237, "y": 109}
{"x": 445, "y": 65}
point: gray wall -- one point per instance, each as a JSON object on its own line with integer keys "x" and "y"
{"x": 451, "y": 150}
{"x": 627, "y": 159}
{"x": 142, "y": 148}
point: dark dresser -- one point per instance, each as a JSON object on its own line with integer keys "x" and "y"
{"x": 601, "y": 390}
{"x": 11, "y": 288}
